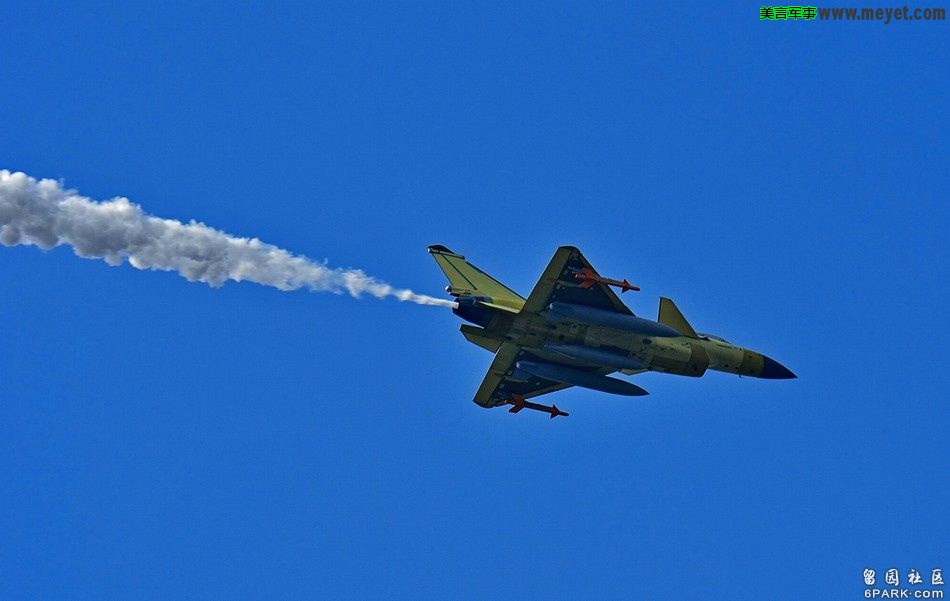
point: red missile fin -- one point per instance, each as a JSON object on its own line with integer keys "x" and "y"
{"x": 628, "y": 286}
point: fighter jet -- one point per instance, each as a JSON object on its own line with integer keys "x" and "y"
{"x": 573, "y": 330}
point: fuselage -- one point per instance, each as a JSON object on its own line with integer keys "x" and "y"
{"x": 624, "y": 343}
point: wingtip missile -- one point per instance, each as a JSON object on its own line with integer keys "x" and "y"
{"x": 588, "y": 278}
{"x": 518, "y": 403}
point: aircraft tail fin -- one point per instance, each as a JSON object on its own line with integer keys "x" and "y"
{"x": 467, "y": 280}
{"x": 671, "y": 316}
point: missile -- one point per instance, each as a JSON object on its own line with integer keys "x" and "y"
{"x": 589, "y": 277}
{"x": 594, "y": 356}
{"x": 518, "y": 403}
{"x": 609, "y": 319}
{"x": 579, "y": 377}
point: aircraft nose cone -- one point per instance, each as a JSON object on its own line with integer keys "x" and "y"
{"x": 773, "y": 370}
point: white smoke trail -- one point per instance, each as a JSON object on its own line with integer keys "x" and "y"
{"x": 42, "y": 213}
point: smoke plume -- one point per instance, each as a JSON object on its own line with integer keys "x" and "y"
{"x": 42, "y": 213}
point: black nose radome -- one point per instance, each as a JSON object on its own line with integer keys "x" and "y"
{"x": 773, "y": 370}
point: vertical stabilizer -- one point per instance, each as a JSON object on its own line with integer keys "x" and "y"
{"x": 467, "y": 280}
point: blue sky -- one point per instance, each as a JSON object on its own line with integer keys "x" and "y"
{"x": 784, "y": 182}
